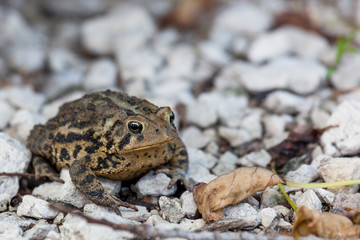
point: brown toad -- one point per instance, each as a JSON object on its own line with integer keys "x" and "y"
{"x": 112, "y": 135}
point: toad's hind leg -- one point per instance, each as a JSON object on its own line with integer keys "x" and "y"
{"x": 43, "y": 168}
{"x": 85, "y": 180}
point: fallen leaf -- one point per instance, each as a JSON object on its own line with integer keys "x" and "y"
{"x": 326, "y": 225}
{"x": 230, "y": 189}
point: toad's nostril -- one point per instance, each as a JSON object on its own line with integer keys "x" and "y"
{"x": 157, "y": 130}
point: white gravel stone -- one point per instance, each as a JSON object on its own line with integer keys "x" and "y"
{"x": 260, "y": 158}
{"x": 101, "y": 75}
{"x": 155, "y": 185}
{"x": 284, "y": 225}
{"x": 22, "y": 123}
{"x": 267, "y": 215}
{"x": 6, "y": 113}
{"x": 74, "y": 8}
{"x": 127, "y": 215}
{"x": 243, "y": 19}
{"x": 343, "y": 139}
{"x": 200, "y": 157}
{"x": 226, "y": 163}
{"x": 271, "y": 197}
{"x": 61, "y": 59}
{"x": 201, "y": 113}
{"x": 75, "y": 227}
{"x": 51, "y": 109}
{"x": 340, "y": 169}
{"x": 9, "y": 231}
{"x": 189, "y": 206}
{"x": 159, "y": 222}
{"x": 286, "y": 40}
{"x": 23, "y": 98}
{"x": 40, "y": 230}
{"x": 325, "y": 196}
{"x": 302, "y": 76}
{"x": 286, "y": 102}
{"x": 347, "y": 77}
{"x": 310, "y": 200}
{"x": 213, "y": 53}
{"x": 244, "y": 212}
{"x": 125, "y": 27}
{"x": 26, "y": 59}
{"x": 4, "y": 201}
{"x": 199, "y": 165}
{"x": 14, "y": 157}
{"x": 15, "y": 221}
{"x": 190, "y": 225}
{"x": 52, "y": 235}
{"x": 61, "y": 82}
{"x": 67, "y": 193}
{"x": 275, "y": 124}
{"x": 193, "y": 137}
{"x": 281, "y": 210}
{"x": 304, "y": 174}
{"x": 36, "y": 208}
{"x": 234, "y": 136}
{"x": 319, "y": 118}
{"x": 171, "y": 209}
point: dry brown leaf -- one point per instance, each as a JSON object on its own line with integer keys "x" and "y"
{"x": 230, "y": 189}
{"x": 326, "y": 225}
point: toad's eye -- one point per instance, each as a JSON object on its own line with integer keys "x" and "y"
{"x": 172, "y": 117}
{"x": 135, "y": 127}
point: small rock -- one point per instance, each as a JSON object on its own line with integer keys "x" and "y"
{"x": 285, "y": 102}
{"x": 260, "y": 158}
{"x": 243, "y": 19}
{"x": 284, "y": 225}
{"x": 9, "y": 231}
{"x": 15, "y": 221}
{"x": 267, "y": 215}
{"x": 213, "y": 53}
{"x": 192, "y": 225}
{"x": 193, "y": 137}
{"x": 200, "y": 157}
{"x": 234, "y": 136}
{"x": 61, "y": 82}
{"x": 347, "y": 201}
{"x": 4, "y": 201}
{"x": 159, "y": 222}
{"x": 40, "y": 230}
{"x": 155, "y": 185}
{"x": 189, "y": 206}
{"x": 201, "y": 113}
{"x": 226, "y": 164}
{"x": 61, "y": 59}
{"x": 346, "y": 76}
{"x": 343, "y": 139}
{"x": 25, "y": 58}
{"x": 340, "y": 169}
{"x": 22, "y": 123}
{"x": 171, "y": 209}
{"x": 14, "y": 157}
{"x": 128, "y": 216}
{"x": 79, "y": 227}
{"x": 101, "y": 75}
{"x": 319, "y": 118}
{"x": 74, "y": 8}
{"x": 198, "y": 173}
{"x": 270, "y": 198}
{"x": 58, "y": 219}
{"x": 6, "y": 113}
{"x": 275, "y": 124}
{"x": 212, "y": 148}
{"x": 304, "y": 174}
{"x": 243, "y": 212}
{"x": 286, "y": 40}
{"x": 52, "y": 235}
{"x": 310, "y": 200}
{"x": 68, "y": 193}
{"x": 36, "y": 208}
{"x": 325, "y": 196}
{"x": 281, "y": 210}
{"x": 126, "y": 27}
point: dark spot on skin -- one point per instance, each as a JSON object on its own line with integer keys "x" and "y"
{"x": 90, "y": 107}
{"x": 137, "y": 156}
{"x": 129, "y": 112}
{"x": 51, "y": 136}
{"x": 51, "y": 126}
{"x": 107, "y": 134}
{"x": 125, "y": 141}
{"x": 146, "y": 109}
{"x": 122, "y": 158}
{"x": 183, "y": 153}
{"x": 91, "y": 149}
{"x": 67, "y": 165}
{"x": 87, "y": 159}
{"x": 64, "y": 155}
{"x": 117, "y": 122}
{"x": 76, "y": 151}
{"x": 128, "y": 165}
{"x": 87, "y": 180}
{"x": 110, "y": 144}
{"x": 140, "y": 138}
{"x": 157, "y": 130}
{"x": 150, "y": 165}
{"x": 145, "y": 154}
{"x": 97, "y": 193}
{"x": 132, "y": 101}
{"x": 171, "y": 147}
{"x": 82, "y": 169}
{"x": 46, "y": 147}
{"x": 163, "y": 152}
{"x": 137, "y": 108}
{"x": 155, "y": 156}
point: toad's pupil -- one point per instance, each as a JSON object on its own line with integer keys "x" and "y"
{"x": 135, "y": 127}
{"x": 172, "y": 117}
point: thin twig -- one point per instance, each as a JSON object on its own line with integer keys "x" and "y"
{"x": 144, "y": 231}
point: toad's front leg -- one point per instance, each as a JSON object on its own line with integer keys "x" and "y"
{"x": 179, "y": 164}
{"x": 85, "y": 180}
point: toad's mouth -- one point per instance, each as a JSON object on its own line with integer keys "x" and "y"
{"x": 157, "y": 145}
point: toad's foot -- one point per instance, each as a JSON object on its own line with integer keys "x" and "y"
{"x": 176, "y": 174}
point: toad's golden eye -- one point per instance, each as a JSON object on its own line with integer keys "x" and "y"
{"x": 135, "y": 127}
{"x": 172, "y": 117}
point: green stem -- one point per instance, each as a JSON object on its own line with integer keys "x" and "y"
{"x": 322, "y": 185}
{"x": 292, "y": 204}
